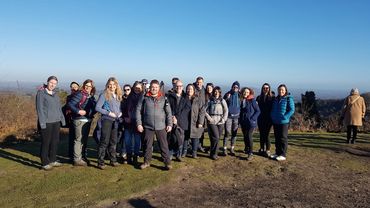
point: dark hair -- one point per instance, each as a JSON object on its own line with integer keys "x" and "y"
{"x": 126, "y": 85}
{"x": 286, "y": 89}
{"x": 218, "y": 89}
{"x": 154, "y": 81}
{"x": 72, "y": 83}
{"x": 92, "y": 86}
{"x": 200, "y": 78}
{"x": 175, "y": 79}
{"x": 269, "y": 93}
{"x": 52, "y": 77}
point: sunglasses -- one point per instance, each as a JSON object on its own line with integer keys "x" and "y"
{"x": 127, "y": 89}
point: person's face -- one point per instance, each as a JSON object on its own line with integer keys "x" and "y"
{"x": 179, "y": 87}
{"x": 74, "y": 88}
{"x": 52, "y": 84}
{"x": 199, "y": 83}
{"x": 174, "y": 84}
{"x": 112, "y": 86}
{"x": 236, "y": 88}
{"x": 190, "y": 91}
{"x": 246, "y": 93}
{"x": 209, "y": 89}
{"x": 138, "y": 89}
{"x": 154, "y": 89}
{"x": 127, "y": 90}
{"x": 217, "y": 94}
{"x": 88, "y": 87}
{"x": 282, "y": 91}
{"x": 265, "y": 89}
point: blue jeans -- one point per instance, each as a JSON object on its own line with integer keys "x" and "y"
{"x": 132, "y": 139}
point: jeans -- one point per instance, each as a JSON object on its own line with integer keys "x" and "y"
{"x": 194, "y": 146}
{"x": 49, "y": 143}
{"x": 81, "y": 130}
{"x": 132, "y": 140}
{"x": 214, "y": 132}
{"x": 281, "y": 138}
{"x": 264, "y": 129}
{"x": 248, "y": 139}
{"x": 231, "y": 128}
{"x": 351, "y": 129}
{"x": 109, "y": 133}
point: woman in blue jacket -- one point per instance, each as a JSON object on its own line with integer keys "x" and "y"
{"x": 249, "y": 112}
{"x": 282, "y": 110}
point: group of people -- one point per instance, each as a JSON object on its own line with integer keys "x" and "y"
{"x": 178, "y": 119}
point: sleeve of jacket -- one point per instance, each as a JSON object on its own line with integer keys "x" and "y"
{"x": 257, "y": 110}
{"x": 226, "y": 110}
{"x": 206, "y": 111}
{"x": 363, "y": 108}
{"x": 62, "y": 119}
{"x": 202, "y": 113}
{"x": 139, "y": 109}
{"x": 40, "y": 109}
{"x": 289, "y": 113}
{"x": 167, "y": 110}
{"x": 74, "y": 101}
{"x": 99, "y": 105}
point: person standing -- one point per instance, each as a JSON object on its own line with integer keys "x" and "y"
{"x": 216, "y": 114}
{"x": 82, "y": 105}
{"x": 50, "y": 116}
{"x": 232, "y": 99}
{"x": 180, "y": 108}
{"x": 121, "y": 145}
{"x": 108, "y": 105}
{"x": 264, "y": 101}
{"x": 249, "y": 112}
{"x": 154, "y": 117}
{"x": 282, "y": 110}
{"x": 132, "y": 137}
{"x": 353, "y": 113}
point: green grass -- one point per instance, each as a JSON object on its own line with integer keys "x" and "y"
{"x": 22, "y": 184}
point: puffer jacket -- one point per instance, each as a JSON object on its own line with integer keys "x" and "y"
{"x": 217, "y": 111}
{"x": 88, "y": 105}
{"x": 153, "y": 113}
{"x": 282, "y": 109}
{"x": 249, "y": 112}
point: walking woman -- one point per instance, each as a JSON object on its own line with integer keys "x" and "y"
{"x": 216, "y": 114}
{"x": 353, "y": 113}
{"x": 249, "y": 112}
{"x": 264, "y": 101}
{"x": 82, "y": 105}
{"x": 196, "y": 119}
{"x": 109, "y": 106}
{"x": 282, "y": 110}
{"x": 50, "y": 116}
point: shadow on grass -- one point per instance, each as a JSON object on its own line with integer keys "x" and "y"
{"x": 19, "y": 159}
{"x": 140, "y": 203}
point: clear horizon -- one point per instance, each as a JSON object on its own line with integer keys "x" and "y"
{"x": 305, "y": 44}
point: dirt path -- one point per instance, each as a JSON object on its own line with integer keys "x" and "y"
{"x": 312, "y": 177}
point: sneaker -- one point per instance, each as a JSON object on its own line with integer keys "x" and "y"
{"x": 114, "y": 164}
{"x": 178, "y": 159}
{"x": 201, "y": 149}
{"x": 168, "y": 167}
{"x": 267, "y": 153}
{"x": 144, "y": 165}
{"x": 194, "y": 156}
{"x": 79, "y": 163}
{"x": 56, "y": 164}
{"x": 232, "y": 152}
{"x": 250, "y": 156}
{"x": 102, "y": 166}
{"x": 47, "y": 167}
{"x": 214, "y": 157}
{"x": 280, "y": 158}
{"x": 273, "y": 156}
{"x": 224, "y": 151}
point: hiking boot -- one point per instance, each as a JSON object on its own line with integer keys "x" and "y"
{"x": 87, "y": 161}
{"x": 178, "y": 159}
{"x": 79, "y": 163}
{"x": 47, "y": 167}
{"x": 232, "y": 152}
{"x": 280, "y": 158}
{"x": 214, "y": 157}
{"x": 194, "y": 156}
{"x": 224, "y": 151}
{"x": 134, "y": 160}
{"x": 267, "y": 153}
{"x": 144, "y": 165}
{"x": 56, "y": 164}
{"x": 102, "y": 166}
{"x": 129, "y": 159}
{"x": 168, "y": 167}
{"x": 261, "y": 152}
{"x": 250, "y": 157}
{"x": 114, "y": 164}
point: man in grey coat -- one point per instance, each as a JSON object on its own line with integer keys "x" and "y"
{"x": 154, "y": 117}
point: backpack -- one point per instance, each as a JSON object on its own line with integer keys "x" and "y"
{"x": 67, "y": 112}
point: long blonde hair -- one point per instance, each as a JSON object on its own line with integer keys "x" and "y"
{"x": 118, "y": 91}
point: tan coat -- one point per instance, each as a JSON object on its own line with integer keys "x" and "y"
{"x": 353, "y": 110}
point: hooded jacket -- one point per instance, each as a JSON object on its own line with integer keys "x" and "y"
{"x": 232, "y": 99}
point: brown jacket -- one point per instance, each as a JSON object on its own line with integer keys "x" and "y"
{"x": 353, "y": 110}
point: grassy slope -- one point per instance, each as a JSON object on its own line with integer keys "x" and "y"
{"x": 22, "y": 184}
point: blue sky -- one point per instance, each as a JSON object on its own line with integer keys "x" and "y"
{"x": 313, "y": 44}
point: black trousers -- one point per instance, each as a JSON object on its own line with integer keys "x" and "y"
{"x": 281, "y": 138}
{"x": 264, "y": 129}
{"x": 351, "y": 129}
{"x": 49, "y": 143}
{"x": 214, "y": 132}
{"x": 248, "y": 139}
{"x": 109, "y": 134}
{"x": 161, "y": 136}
